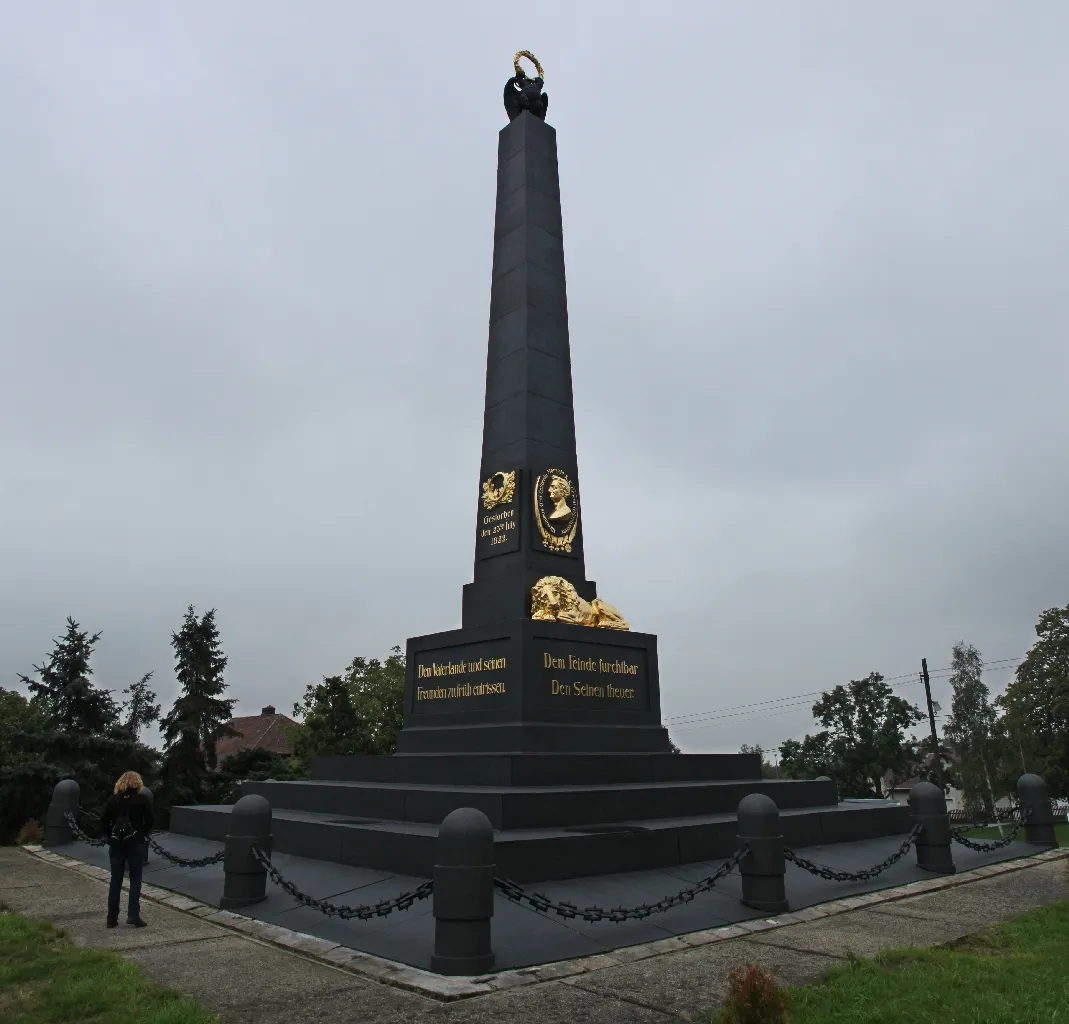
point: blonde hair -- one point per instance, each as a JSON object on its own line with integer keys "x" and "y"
{"x": 129, "y": 781}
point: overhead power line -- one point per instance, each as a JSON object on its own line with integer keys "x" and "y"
{"x": 787, "y": 705}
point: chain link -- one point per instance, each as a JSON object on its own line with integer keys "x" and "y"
{"x": 72, "y": 822}
{"x": 832, "y": 875}
{"x": 981, "y": 846}
{"x": 515, "y": 892}
{"x": 184, "y": 862}
{"x": 362, "y": 913}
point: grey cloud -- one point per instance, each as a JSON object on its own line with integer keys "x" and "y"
{"x": 816, "y": 261}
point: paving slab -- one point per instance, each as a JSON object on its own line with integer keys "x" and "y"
{"x": 230, "y": 972}
{"x": 990, "y": 900}
{"x": 692, "y": 981}
{"x": 551, "y": 1001}
{"x": 863, "y": 933}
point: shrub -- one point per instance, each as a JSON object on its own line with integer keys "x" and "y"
{"x": 754, "y": 998}
{"x": 29, "y": 833}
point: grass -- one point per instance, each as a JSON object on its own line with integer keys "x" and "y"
{"x": 46, "y": 980}
{"x": 1061, "y": 831}
{"x": 1013, "y": 973}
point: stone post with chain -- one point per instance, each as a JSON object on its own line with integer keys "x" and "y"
{"x": 928, "y": 805}
{"x": 244, "y": 878}
{"x": 1034, "y": 802}
{"x": 764, "y": 868}
{"x": 463, "y": 894}
{"x": 66, "y": 798}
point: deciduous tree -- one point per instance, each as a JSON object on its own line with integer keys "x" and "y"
{"x": 972, "y": 728}
{"x": 862, "y": 740}
{"x": 1036, "y": 703}
{"x": 358, "y": 712}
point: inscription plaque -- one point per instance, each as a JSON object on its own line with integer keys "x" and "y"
{"x": 591, "y": 676}
{"x": 469, "y": 677}
{"x": 498, "y": 530}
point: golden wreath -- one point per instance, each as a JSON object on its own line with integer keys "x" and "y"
{"x": 532, "y": 58}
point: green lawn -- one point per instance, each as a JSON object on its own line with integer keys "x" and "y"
{"x": 1013, "y": 973}
{"x": 46, "y": 980}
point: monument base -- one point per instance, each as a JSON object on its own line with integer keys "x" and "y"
{"x": 526, "y": 686}
{"x": 555, "y": 816}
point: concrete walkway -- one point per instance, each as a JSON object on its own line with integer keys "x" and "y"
{"x": 278, "y": 976}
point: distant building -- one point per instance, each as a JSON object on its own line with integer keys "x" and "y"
{"x": 955, "y": 798}
{"x": 268, "y": 730}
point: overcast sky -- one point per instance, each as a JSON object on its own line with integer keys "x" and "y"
{"x": 817, "y": 260}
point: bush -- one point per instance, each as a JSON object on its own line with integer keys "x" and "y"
{"x": 754, "y": 998}
{"x": 29, "y": 833}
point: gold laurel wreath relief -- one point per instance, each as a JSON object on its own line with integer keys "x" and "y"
{"x": 502, "y": 495}
{"x": 520, "y": 73}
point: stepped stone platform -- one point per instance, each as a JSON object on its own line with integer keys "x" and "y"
{"x": 555, "y": 816}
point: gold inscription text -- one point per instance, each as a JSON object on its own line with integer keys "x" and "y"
{"x": 573, "y": 663}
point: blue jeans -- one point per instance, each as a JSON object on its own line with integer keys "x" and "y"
{"x": 122, "y": 858}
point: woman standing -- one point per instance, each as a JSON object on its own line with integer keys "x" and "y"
{"x": 127, "y": 822}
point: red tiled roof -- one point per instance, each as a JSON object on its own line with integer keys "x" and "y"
{"x": 264, "y": 730}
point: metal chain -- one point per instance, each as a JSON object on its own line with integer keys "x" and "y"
{"x": 363, "y": 913}
{"x": 982, "y": 846}
{"x": 993, "y": 822}
{"x": 516, "y": 893}
{"x": 831, "y": 875}
{"x": 186, "y": 862}
{"x": 72, "y": 822}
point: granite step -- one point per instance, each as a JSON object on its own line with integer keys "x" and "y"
{"x": 544, "y": 769}
{"x": 548, "y": 853}
{"x": 519, "y": 807}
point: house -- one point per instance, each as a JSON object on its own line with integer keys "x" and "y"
{"x": 900, "y": 794}
{"x": 268, "y": 730}
{"x": 955, "y": 798}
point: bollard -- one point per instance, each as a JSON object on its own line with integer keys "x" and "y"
{"x": 763, "y": 869}
{"x": 65, "y": 798}
{"x": 151, "y": 804}
{"x": 463, "y": 893}
{"x": 1034, "y": 801}
{"x": 244, "y": 879}
{"x": 928, "y": 805}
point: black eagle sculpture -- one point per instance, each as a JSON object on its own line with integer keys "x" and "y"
{"x": 523, "y": 93}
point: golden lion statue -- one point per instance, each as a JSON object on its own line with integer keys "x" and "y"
{"x": 554, "y": 599}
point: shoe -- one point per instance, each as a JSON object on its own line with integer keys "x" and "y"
{"x": 138, "y": 923}
{"x": 112, "y": 924}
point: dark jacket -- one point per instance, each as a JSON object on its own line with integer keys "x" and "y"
{"x": 136, "y": 805}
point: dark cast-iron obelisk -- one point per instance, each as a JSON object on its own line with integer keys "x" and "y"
{"x": 539, "y": 664}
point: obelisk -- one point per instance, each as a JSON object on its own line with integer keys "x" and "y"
{"x": 539, "y": 664}
{"x": 528, "y": 421}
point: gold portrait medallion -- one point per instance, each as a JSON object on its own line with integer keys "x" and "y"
{"x": 556, "y": 508}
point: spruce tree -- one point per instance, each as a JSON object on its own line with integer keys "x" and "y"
{"x": 200, "y": 715}
{"x": 141, "y": 709}
{"x": 71, "y": 701}
{"x": 74, "y": 732}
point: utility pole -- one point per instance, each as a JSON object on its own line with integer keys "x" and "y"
{"x": 931, "y": 721}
